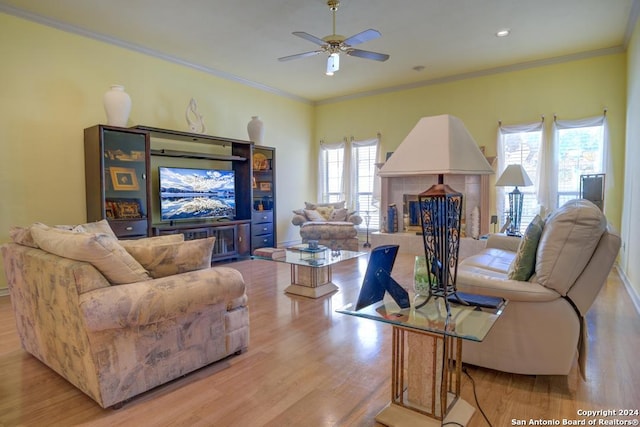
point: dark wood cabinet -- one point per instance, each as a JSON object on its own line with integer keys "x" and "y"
{"x": 119, "y": 185}
{"x": 231, "y": 236}
{"x": 263, "y": 206}
{"x": 117, "y": 171}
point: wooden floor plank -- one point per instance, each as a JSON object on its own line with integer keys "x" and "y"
{"x": 308, "y": 365}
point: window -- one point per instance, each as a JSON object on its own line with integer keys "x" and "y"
{"x": 364, "y": 157}
{"x": 580, "y": 150}
{"x": 578, "y": 147}
{"x": 520, "y": 144}
{"x": 332, "y": 164}
{"x": 348, "y": 172}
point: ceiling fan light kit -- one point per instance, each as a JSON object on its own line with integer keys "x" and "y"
{"x": 333, "y": 63}
{"x": 336, "y": 44}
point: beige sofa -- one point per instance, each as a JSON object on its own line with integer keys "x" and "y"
{"x": 542, "y": 328}
{"x": 331, "y": 224}
{"x": 115, "y": 341}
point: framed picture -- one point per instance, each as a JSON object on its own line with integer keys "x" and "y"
{"x": 124, "y": 179}
{"x": 123, "y": 209}
{"x": 265, "y": 186}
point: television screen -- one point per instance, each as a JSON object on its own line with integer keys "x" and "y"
{"x": 196, "y": 193}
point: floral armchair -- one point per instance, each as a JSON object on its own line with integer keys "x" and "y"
{"x": 331, "y": 224}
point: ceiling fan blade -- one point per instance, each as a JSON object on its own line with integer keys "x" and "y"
{"x": 368, "y": 55}
{"x": 309, "y": 37}
{"x": 299, "y": 55}
{"x": 362, "y": 37}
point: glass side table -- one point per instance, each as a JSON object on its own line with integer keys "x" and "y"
{"x": 425, "y": 377}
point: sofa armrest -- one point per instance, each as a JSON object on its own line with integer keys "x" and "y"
{"x": 153, "y": 301}
{"x": 355, "y": 219}
{"x": 502, "y": 241}
{"x": 477, "y": 280}
{"x": 298, "y": 219}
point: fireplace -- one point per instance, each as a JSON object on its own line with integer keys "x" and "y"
{"x": 404, "y": 190}
{"x": 411, "y": 212}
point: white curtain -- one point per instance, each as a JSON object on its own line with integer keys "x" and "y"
{"x": 353, "y": 187}
{"x": 503, "y": 132}
{"x": 607, "y": 161}
{"x": 323, "y": 195}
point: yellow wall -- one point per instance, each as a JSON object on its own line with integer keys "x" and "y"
{"x": 53, "y": 83}
{"x": 570, "y": 90}
{"x": 630, "y": 253}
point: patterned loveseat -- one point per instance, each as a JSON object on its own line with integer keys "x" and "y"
{"x": 116, "y": 322}
{"x": 331, "y": 224}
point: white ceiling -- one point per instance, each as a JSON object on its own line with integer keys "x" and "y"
{"x": 242, "y": 39}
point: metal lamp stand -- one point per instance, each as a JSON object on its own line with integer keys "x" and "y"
{"x": 440, "y": 214}
{"x": 367, "y": 218}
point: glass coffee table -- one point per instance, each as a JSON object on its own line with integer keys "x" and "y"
{"x": 427, "y": 343}
{"x": 311, "y": 268}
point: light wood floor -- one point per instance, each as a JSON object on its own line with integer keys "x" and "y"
{"x": 310, "y": 366}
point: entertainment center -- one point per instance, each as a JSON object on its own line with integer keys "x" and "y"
{"x": 211, "y": 186}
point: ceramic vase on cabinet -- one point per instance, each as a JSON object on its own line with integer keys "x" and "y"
{"x": 117, "y": 105}
{"x": 255, "y": 128}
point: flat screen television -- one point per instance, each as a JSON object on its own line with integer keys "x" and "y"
{"x": 196, "y": 193}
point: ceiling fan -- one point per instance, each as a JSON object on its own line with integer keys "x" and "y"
{"x": 336, "y": 44}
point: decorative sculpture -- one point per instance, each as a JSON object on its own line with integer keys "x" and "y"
{"x": 194, "y": 119}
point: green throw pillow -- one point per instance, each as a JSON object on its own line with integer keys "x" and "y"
{"x": 524, "y": 264}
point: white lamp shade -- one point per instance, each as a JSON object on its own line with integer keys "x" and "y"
{"x": 437, "y": 145}
{"x": 333, "y": 64}
{"x": 514, "y": 176}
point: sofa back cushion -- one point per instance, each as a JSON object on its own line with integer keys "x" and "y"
{"x": 101, "y": 250}
{"x": 569, "y": 237}
{"x": 168, "y": 255}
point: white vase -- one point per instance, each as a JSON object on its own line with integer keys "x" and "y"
{"x": 255, "y": 128}
{"x": 117, "y": 105}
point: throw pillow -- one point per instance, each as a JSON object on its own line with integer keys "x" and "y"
{"x": 334, "y": 205}
{"x": 101, "y": 250}
{"x": 325, "y": 211}
{"x": 22, "y": 236}
{"x": 339, "y": 215}
{"x": 314, "y": 215}
{"x": 163, "y": 257}
{"x": 155, "y": 240}
{"x": 101, "y": 226}
{"x": 524, "y": 263}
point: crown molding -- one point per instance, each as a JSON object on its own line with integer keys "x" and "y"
{"x": 633, "y": 17}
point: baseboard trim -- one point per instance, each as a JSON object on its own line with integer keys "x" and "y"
{"x": 4, "y": 292}
{"x": 633, "y": 294}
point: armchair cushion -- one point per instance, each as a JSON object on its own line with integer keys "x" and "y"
{"x": 339, "y": 215}
{"x": 314, "y": 215}
{"x": 524, "y": 263}
{"x": 168, "y": 255}
{"x": 334, "y": 205}
{"x": 158, "y": 300}
{"x": 101, "y": 226}
{"x": 325, "y": 212}
{"x": 101, "y": 250}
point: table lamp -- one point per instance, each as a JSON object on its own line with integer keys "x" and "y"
{"x": 514, "y": 176}
{"x": 439, "y": 145}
